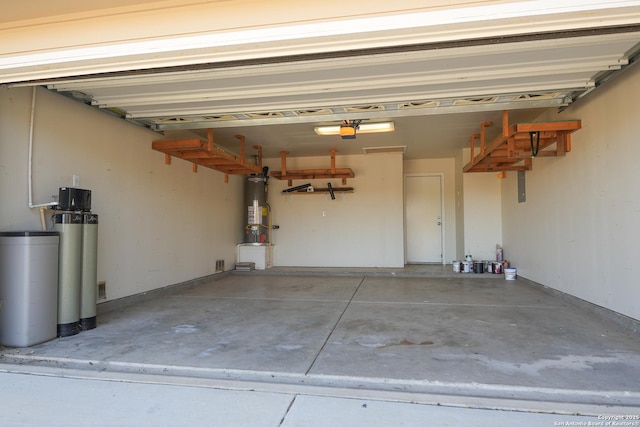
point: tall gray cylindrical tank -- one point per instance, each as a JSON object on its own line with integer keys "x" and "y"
{"x": 256, "y": 228}
{"x": 69, "y": 225}
{"x": 28, "y": 287}
{"x": 89, "y": 285}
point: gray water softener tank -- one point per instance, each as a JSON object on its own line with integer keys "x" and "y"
{"x": 69, "y": 225}
{"x": 28, "y": 287}
{"x": 89, "y": 281}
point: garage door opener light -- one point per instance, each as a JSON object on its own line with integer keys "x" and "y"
{"x": 348, "y": 128}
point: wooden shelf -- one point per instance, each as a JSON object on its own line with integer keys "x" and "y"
{"x": 321, "y": 191}
{"x": 209, "y": 155}
{"x": 314, "y": 174}
{"x": 512, "y": 149}
{"x": 331, "y": 173}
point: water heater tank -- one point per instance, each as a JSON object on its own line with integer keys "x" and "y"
{"x": 256, "y": 228}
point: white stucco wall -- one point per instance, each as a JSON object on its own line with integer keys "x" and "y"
{"x": 159, "y": 224}
{"x": 482, "y": 213}
{"x": 359, "y": 229}
{"x": 579, "y": 230}
{"x": 459, "y": 189}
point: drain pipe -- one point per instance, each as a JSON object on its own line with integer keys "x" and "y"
{"x": 42, "y": 206}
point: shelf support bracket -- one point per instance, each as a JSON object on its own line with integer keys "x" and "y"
{"x": 259, "y": 148}
{"x": 473, "y": 145}
{"x": 333, "y": 159}
{"x": 505, "y": 123}
{"x": 283, "y": 166}
{"x": 242, "y": 146}
{"x": 209, "y": 140}
{"x": 482, "y": 133}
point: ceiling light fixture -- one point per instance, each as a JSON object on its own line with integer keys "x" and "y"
{"x": 349, "y": 127}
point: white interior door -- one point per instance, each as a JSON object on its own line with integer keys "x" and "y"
{"x": 423, "y": 218}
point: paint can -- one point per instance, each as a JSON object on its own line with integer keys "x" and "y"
{"x": 466, "y": 267}
{"x": 510, "y": 273}
{"x": 497, "y": 268}
{"x": 456, "y": 266}
{"x": 478, "y": 267}
{"x": 489, "y": 267}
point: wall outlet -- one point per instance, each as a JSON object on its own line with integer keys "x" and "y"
{"x": 76, "y": 181}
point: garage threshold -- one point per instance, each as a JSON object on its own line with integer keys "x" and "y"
{"x": 455, "y": 339}
{"x": 469, "y": 396}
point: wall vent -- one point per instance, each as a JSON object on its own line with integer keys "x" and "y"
{"x": 389, "y": 149}
{"x": 102, "y": 291}
{"x": 219, "y": 265}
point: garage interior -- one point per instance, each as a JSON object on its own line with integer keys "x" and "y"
{"x": 358, "y": 296}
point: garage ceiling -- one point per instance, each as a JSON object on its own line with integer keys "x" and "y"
{"x": 436, "y": 92}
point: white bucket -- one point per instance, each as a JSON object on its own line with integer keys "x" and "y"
{"x": 510, "y": 273}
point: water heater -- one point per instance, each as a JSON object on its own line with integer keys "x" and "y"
{"x": 256, "y": 229}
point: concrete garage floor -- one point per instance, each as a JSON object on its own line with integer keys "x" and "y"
{"x": 415, "y": 335}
